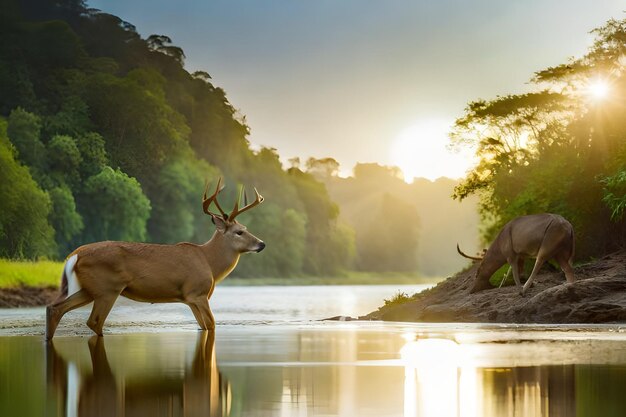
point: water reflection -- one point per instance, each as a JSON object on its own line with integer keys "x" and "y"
{"x": 196, "y": 390}
{"x": 330, "y": 370}
{"x": 441, "y": 380}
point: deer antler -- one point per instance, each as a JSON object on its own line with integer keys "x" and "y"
{"x": 206, "y": 202}
{"x": 236, "y": 211}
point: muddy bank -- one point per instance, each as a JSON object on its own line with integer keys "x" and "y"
{"x": 598, "y": 296}
{"x": 27, "y": 296}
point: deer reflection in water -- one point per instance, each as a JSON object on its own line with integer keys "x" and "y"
{"x": 199, "y": 390}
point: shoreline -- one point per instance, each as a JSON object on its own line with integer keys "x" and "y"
{"x": 597, "y": 296}
{"x": 38, "y": 296}
{"x": 26, "y": 296}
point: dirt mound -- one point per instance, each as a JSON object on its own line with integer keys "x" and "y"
{"x": 598, "y": 296}
{"x": 27, "y": 296}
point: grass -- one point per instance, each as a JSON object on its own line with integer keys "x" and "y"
{"x": 48, "y": 273}
{"x": 32, "y": 274}
{"x": 398, "y": 298}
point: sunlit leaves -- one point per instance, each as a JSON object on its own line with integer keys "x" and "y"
{"x": 614, "y": 193}
{"x": 553, "y": 150}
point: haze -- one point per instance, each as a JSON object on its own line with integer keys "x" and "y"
{"x": 367, "y": 81}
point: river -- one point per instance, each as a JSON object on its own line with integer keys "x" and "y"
{"x": 272, "y": 356}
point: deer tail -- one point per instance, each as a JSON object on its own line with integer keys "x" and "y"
{"x": 69, "y": 283}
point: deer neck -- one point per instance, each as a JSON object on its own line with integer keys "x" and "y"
{"x": 493, "y": 260}
{"x": 221, "y": 256}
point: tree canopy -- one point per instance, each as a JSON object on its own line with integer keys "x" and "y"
{"x": 560, "y": 148}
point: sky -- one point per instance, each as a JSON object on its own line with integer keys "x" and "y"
{"x": 368, "y": 80}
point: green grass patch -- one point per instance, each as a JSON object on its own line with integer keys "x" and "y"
{"x": 33, "y": 274}
{"x": 398, "y": 298}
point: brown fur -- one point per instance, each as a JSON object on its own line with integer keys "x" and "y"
{"x": 184, "y": 272}
{"x": 541, "y": 236}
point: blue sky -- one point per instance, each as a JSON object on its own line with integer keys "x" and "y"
{"x": 347, "y": 78}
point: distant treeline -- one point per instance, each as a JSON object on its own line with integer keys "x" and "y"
{"x": 400, "y": 226}
{"x": 105, "y": 136}
{"x": 559, "y": 149}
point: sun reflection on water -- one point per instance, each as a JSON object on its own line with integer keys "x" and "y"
{"x": 432, "y": 384}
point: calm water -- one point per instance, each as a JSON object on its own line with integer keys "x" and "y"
{"x": 271, "y": 357}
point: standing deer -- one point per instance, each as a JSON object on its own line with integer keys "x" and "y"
{"x": 542, "y": 236}
{"x": 153, "y": 273}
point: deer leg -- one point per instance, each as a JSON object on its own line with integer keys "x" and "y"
{"x": 197, "y": 313}
{"x": 567, "y": 269}
{"x": 101, "y": 308}
{"x": 202, "y": 304}
{"x": 538, "y": 264}
{"x": 520, "y": 268}
{"x": 56, "y": 310}
{"x": 514, "y": 263}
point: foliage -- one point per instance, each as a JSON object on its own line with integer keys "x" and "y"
{"x": 24, "y": 129}
{"x": 554, "y": 150}
{"x": 24, "y": 208}
{"x": 114, "y": 207}
{"x": 64, "y": 218}
{"x": 409, "y": 228}
{"x": 389, "y": 244}
{"x": 615, "y": 194}
{"x": 63, "y": 159}
{"x": 398, "y": 298}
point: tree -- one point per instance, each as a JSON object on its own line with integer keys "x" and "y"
{"x": 23, "y": 130}
{"x": 93, "y": 156}
{"x": 390, "y": 242}
{"x": 322, "y": 168}
{"x": 114, "y": 207}
{"x": 64, "y": 218}
{"x": 162, "y": 44}
{"x": 64, "y": 159}
{"x": 284, "y": 233}
{"x": 24, "y": 208}
{"x": 176, "y": 210}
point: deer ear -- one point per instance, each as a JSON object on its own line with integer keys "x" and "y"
{"x": 219, "y": 223}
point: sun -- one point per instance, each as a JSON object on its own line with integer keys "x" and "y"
{"x": 598, "y": 89}
{"x": 420, "y": 152}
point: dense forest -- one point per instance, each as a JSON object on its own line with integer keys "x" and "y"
{"x": 105, "y": 135}
{"x": 560, "y": 148}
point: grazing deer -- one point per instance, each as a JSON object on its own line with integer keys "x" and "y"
{"x": 542, "y": 236}
{"x": 153, "y": 273}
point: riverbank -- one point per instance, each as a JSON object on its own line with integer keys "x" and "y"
{"x": 24, "y": 296}
{"x": 598, "y": 296}
{"x": 16, "y": 289}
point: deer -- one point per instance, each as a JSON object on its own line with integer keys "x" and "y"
{"x": 155, "y": 273}
{"x": 542, "y": 236}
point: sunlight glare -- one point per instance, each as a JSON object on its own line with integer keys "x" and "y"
{"x": 421, "y": 151}
{"x": 598, "y": 89}
{"x": 438, "y": 380}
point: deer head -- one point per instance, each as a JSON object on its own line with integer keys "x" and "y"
{"x": 235, "y": 233}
